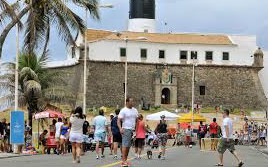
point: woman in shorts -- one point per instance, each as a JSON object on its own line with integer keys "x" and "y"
{"x": 76, "y": 133}
{"x": 64, "y": 135}
{"x": 140, "y": 136}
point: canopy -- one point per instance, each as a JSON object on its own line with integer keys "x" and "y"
{"x": 156, "y": 116}
{"x": 48, "y": 114}
{"x": 188, "y": 118}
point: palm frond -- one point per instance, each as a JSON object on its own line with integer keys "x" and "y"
{"x": 70, "y": 18}
{"x": 63, "y": 29}
{"x": 35, "y": 30}
{"x": 91, "y": 5}
{"x": 9, "y": 12}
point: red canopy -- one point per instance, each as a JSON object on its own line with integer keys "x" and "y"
{"x": 48, "y": 114}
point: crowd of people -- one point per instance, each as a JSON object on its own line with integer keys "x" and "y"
{"x": 126, "y": 128}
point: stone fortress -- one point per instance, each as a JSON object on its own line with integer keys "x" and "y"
{"x": 160, "y": 66}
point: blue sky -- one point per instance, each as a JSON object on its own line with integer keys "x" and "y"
{"x": 244, "y": 17}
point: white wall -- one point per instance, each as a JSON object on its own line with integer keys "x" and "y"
{"x": 239, "y": 54}
{"x": 140, "y": 25}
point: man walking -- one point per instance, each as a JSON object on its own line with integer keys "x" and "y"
{"x": 128, "y": 116}
{"x": 100, "y": 125}
{"x": 227, "y": 141}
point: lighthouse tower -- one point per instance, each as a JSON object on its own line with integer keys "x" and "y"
{"x": 142, "y": 16}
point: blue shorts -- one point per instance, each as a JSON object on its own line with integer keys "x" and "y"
{"x": 126, "y": 138}
{"x": 100, "y": 137}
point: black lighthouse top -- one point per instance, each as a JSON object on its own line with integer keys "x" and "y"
{"x": 142, "y": 9}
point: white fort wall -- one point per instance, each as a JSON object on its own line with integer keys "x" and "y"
{"x": 239, "y": 54}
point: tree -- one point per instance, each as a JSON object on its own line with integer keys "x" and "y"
{"x": 41, "y": 15}
{"x": 35, "y": 84}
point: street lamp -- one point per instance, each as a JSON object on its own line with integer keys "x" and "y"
{"x": 85, "y": 57}
{"x": 126, "y": 39}
{"x": 193, "y": 85}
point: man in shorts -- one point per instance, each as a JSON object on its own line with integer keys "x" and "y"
{"x": 227, "y": 141}
{"x": 57, "y": 134}
{"x": 100, "y": 125}
{"x": 127, "y": 116}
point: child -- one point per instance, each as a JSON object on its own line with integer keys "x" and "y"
{"x": 188, "y": 136}
{"x": 43, "y": 141}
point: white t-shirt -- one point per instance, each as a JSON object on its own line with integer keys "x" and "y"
{"x": 227, "y": 122}
{"x": 58, "y": 125}
{"x": 77, "y": 124}
{"x": 100, "y": 123}
{"x": 188, "y": 132}
{"x": 129, "y": 117}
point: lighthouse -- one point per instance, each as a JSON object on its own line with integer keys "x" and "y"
{"x": 142, "y": 16}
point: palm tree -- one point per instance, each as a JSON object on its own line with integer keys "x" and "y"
{"x": 41, "y": 15}
{"x": 35, "y": 84}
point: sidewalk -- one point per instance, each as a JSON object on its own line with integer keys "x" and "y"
{"x": 11, "y": 155}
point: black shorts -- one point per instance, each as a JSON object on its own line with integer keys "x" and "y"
{"x": 117, "y": 138}
{"x": 201, "y": 136}
{"x": 139, "y": 143}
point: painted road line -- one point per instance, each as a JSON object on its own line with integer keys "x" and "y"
{"x": 130, "y": 159}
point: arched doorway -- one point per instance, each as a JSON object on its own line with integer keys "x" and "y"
{"x": 165, "y": 98}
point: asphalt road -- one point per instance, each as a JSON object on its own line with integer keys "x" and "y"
{"x": 176, "y": 156}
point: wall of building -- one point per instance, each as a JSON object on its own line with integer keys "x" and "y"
{"x": 240, "y": 54}
{"x": 229, "y": 86}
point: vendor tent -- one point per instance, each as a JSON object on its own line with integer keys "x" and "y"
{"x": 156, "y": 116}
{"x": 48, "y": 114}
{"x": 189, "y": 118}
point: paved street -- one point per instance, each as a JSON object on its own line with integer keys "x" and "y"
{"x": 175, "y": 157}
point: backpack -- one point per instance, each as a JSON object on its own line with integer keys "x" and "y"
{"x": 114, "y": 127}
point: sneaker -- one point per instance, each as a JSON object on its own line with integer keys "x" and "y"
{"x": 97, "y": 157}
{"x": 78, "y": 160}
{"x": 163, "y": 158}
{"x": 102, "y": 156}
{"x": 159, "y": 156}
{"x": 115, "y": 157}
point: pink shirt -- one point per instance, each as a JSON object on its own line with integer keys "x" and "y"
{"x": 140, "y": 131}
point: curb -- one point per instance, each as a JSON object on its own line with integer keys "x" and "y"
{"x": 14, "y": 156}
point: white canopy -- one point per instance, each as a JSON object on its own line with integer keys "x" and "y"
{"x": 156, "y": 116}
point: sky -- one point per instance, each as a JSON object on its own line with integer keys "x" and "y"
{"x": 240, "y": 17}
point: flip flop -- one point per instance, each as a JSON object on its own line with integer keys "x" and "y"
{"x": 240, "y": 164}
{"x": 219, "y": 165}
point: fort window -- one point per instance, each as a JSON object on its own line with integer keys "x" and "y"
{"x": 225, "y": 55}
{"x": 202, "y": 90}
{"x": 143, "y": 53}
{"x": 193, "y": 54}
{"x": 209, "y": 55}
{"x": 161, "y": 54}
{"x": 123, "y": 52}
{"x": 183, "y": 54}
